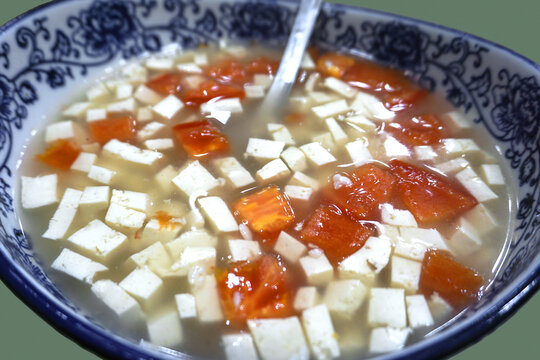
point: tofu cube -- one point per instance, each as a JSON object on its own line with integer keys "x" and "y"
{"x": 144, "y": 115}
{"x": 306, "y": 297}
{"x": 99, "y": 240}
{"x": 97, "y": 92}
{"x": 340, "y": 87}
{"x": 301, "y": 179}
{"x": 244, "y": 250}
{"x": 239, "y": 347}
{"x": 147, "y": 96}
{"x": 94, "y": 198}
{"x": 164, "y": 178}
{"x": 38, "y": 191}
{"x": 317, "y": 268}
{"x": 165, "y": 330}
{"x": 254, "y": 91}
{"x": 144, "y": 285}
{"x": 264, "y": 150}
{"x": 459, "y": 146}
{"x": 230, "y": 105}
{"x": 452, "y": 166}
{"x": 392, "y": 216}
{"x": 135, "y": 72}
{"x": 339, "y": 136}
{"x": 131, "y": 154}
{"x": 278, "y": 339}
{"x": 344, "y": 297}
{"x": 418, "y": 311}
{"x": 299, "y": 193}
{"x": 331, "y": 109}
{"x": 155, "y": 258}
{"x": 157, "y": 231}
{"x": 159, "y": 64}
{"x": 185, "y": 303}
{"x": 61, "y": 130}
{"x": 194, "y": 177}
{"x": 368, "y": 105}
{"x": 326, "y": 140}
{"x": 413, "y": 242}
{"x": 387, "y": 308}
{"x": 425, "y": 153}
{"x": 207, "y": 299}
{"x": 96, "y": 114}
{"x": 358, "y": 152}
{"x": 465, "y": 239}
{"x": 130, "y": 199}
{"x": 168, "y": 107}
{"x": 124, "y": 91}
{"x": 387, "y": 339}
{"x": 115, "y": 298}
{"x": 317, "y": 155}
{"x": 121, "y": 217}
{"x": 393, "y": 148}
{"x": 84, "y": 162}
{"x": 294, "y": 158}
{"x": 234, "y": 172}
{"x": 289, "y": 248}
{"x": 101, "y": 174}
{"x": 194, "y": 238}
{"x": 481, "y": 215}
{"x": 458, "y": 120}
{"x": 320, "y": 332}
{"x": 493, "y": 174}
{"x": 150, "y": 130}
{"x": 263, "y": 80}
{"x": 128, "y": 105}
{"x": 368, "y": 261}
{"x": 203, "y": 257}
{"x": 76, "y": 110}
{"x": 361, "y": 123}
{"x": 64, "y": 215}
{"x": 218, "y": 213}
{"x": 273, "y": 171}
{"x": 280, "y": 132}
{"x": 319, "y": 97}
{"x": 405, "y": 273}
{"x": 77, "y": 266}
{"x": 439, "y": 308}
{"x": 189, "y": 68}
{"x": 472, "y": 182}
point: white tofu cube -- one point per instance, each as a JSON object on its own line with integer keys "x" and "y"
{"x": 77, "y": 266}
{"x": 194, "y": 238}
{"x": 317, "y": 268}
{"x": 200, "y": 59}
{"x": 115, "y": 298}
{"x": 425, "y": 153}
{"x": 344, "y": 297}
{"x": 121, "y": 217}
{"x": 340, "y": 87}
{"x": 218, "y": 213}
{"x": 239, "y": 347}
{"x": 254, "y": 91}
{"x": 368, "y": 105}
{"x": 96, "y": 114}
{"x": 150, "y": 130}
{"x": 124, "y": 91}
{"x": 319, "y": 97}
{"x": 38, "y": 191}
{"x": 418, "y": 311}
{"x": 61, "y": 130}
{"x": 317, "y": 155}
{"x": 189, "y": 68}
{"x": 387, "y": 308}
{"x": 234, "y": 172}
{"x": 413, "y": 242}
{"x": 459, "y": 146}
{"x": 264, "y": 150}
{"x": 185, "y": 303}
{"x": 358, "y": 152}
{"x": 101, "y": 174}
{"x": 307, "y": 62}
{"x": 144, "y": 115}
{"x": 452, "y": 166}
{"x": 156, "y": 230}
{"x": 94, "y": 198}
{"x": 165, "y": 330}
{"x": 306, "y": 297}
{"x": 244, "y": 250}
{"x": 493, "y": 174}
{"x": 331, "y": 109}
{"x": 159, "y": 144}
{"x": 280, "y": 133}
{"x": 360, "y": 122}
{"x": 405, "y": 273}
{"x": 164, "y": 178}
{"x": 168, "y": 107}
{"x": 386, "y": 339}
{"x": 232, "y": 105}
{"x": 128, "y": 105}
{"x": 439, "y": 308}
{"x": 368, "y": 261}
{"x": 76, "y": 110}
{"x": 131, "y": 153}
{"x": 294, "y": 158}
{"x": 273, "y": 171}
{"x": 144, "y": 285}
{"x": 135, "y": 72}
{"x": 392, "y": 216}
{"x": 298, "y": 193}
{"x": 84, "y": 162}
{"x": 263, "y": 80}
{"x": 130, "y": 199}
{"x": 147, "y": 96}
{"x": 465, "y": 239}
{"x": 289, "y": 248}
{"x": 64, "y": 215}
{"x": 99, "y": 240}
{"x": 202, "y": 257}
{"x": 159, "y": 64}
{"x": 320, "y": 332}
{"x": 194, "y": 177}
{"x": 458, "y": 120}
{"x": 326, "y": 141}
{"x": 97, "y": 92}
{"x": 301, "y": 179}
{"x": 472, "y": 182}
{"x": 207, "y": 299}
{"x": 279, "y": 339}
{"x": 339, "y": 136}
{"x": 481, "y": 215}
{"x": 394, "y": 148}
{"x": 389, "y": 231}
{"x": 155, "y": 257}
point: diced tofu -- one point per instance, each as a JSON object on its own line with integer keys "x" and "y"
{"x": 232, "y": 105}
{"x": 131, "y": 153}
{"x": 465, "y": 239}
{"x": 203, "y": 257}
{"x": 190, "y": 68}
{"x": 200, "y": 59}
{"x": 96, "y": 114}
{"x": 263, "y": 80}
{"x": 84, "y": 162}
{"x": 425, "y": 153}
{"x": 168, "y": 107}
{"x": 38, "y": 191}
{"x": 359, "y": 152}
{"x": 121, "y": 217}
{"x": 306, "y": 297}
{"x": 405, "y": 273}
{"x": 144, "y": 114}
{"x": 254, "y": 91}
{"x": 280, "y": 133}
{"x": 492, "y": 174}
{"x": 264, "y": 150}
{"x": 389, "y": 231}
{"x": 386, "y": 339}
{"x": 301, "y": 179}
{"x": 77, "y": 266}
{"x": 234, "y": 172}
{"x": 368, "y": 261}
{"x": 368, "y": 105}
{"x": 340, "y": 87}
{"x": 239, "y": 347}
{"x": 119, "y": 301}
{"x": 394, "y": 148}
{"x": 481, "y": 215}
{"x": 218, "y": 213}
{"x": 320, "y": 97}
{"x": 155, "y": 230}
{"x": 159, "y": 64}
{"x": 459, "y": 146}
{"x": 294, "y": 158}
{"x": 150, "y": 130}
{"x": 289, "y": 248}
{"x": 418, "y": 311}
{"x": 361, "y": 122}
{"x": 124, "y": 91}
{"x": 207, "y": 299}
{"x": 144, "y": 285}
{"x": 130, "y": 199}
{"x": 165, "y": 330}
{"x": 452, "y": 166}
{"x": 331, "y": 109}
{"x": 195, "y": 178}
{"x": 279, "y": 339}
{"x": 164, "y": 178}
{"x": 326, "y": 140}
{"x": 298, "y": 193}
{"x": 317, "y": 268}
{"x": 94, "y": 198}
{"x": 155, "y": 257}
{"x": 185, "y": 303}
{"x": 413, "y": 242}
{"x": 472, "y": 182}
{"x": 344, "y": 297}
{"x": 194, "y": 238}
{"x": 76, "y": 110}
{"x": 458, "y": 120}
{"x": 159, "y": 144}
{"x": 387, "y": 308}
{"x": 307, "y": 62}
{"x": 392, "y": 216}
{"x": 101, "y": 174}
{"x": 61, "y": 130}
{"x": 64, "y": 214}
{"x": 317, "y": 155}
{"x": 244, "y": 250}
{"x": 273, "y": 171}
{"x": 135, "y": 72}
{"x": 97, "y": 92}
{"x": 99, "y": 240}
{"x": 439, "y": 308}
{"x": 337, "y": 132}
{"x": 128, "y": 105}
{"x": 320, "y": 332}
{"x": 147, "y": 96}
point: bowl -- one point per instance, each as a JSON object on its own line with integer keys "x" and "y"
{"x": 49, "y": 51}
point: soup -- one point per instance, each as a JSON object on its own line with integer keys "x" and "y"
{"x": 169, "y": 208}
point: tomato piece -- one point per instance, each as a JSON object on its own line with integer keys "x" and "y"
{"x": 122, "y": 128}
{"x": 267, "y": 211}
{"x": 209, "y": 90}
{"x": 374, "y": 77}
{"x": 333, "y": 64}
{"x": 359, "y": 194}
{"x": 429, "y": 196}
{"x": 229, "y": 71}
{"x": 456, "y": 283}
{"x": 335, "y": 233}
{"x": 254, "y": 290}
{"x": 295, "y": 118}
{"x": 425, "y": 129}
{"x": 263, "y": 65}
{"x": 166, "y": 221}
{"x": 166, "y": 84}
{"x": 201, "y": 139}
{"x": 60, "y": 154}
{"x": 404, "y": 99}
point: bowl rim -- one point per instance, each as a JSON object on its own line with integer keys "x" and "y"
{"x": 103, "y": 343}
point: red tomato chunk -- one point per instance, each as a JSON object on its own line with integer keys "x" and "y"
{"x": 425, "y": 129}
{"x": 229, "y": 72}
{"x": 332, "y": 64}
{"x": 166, "y": 84}
{"x": 209, "y": 90}
{"x": 263, "y": 65}
{"x": 201, "y": 139}
{"x": 60, "y": 154}
{"x": 122, "y": 128}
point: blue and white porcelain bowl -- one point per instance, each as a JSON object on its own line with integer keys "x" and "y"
{"x": 47, "y": 53}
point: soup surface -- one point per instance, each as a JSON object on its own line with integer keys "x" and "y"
{"x": 170, "y": 209}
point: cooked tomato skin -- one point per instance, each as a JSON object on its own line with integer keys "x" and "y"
{"x": 60, "y": 154}
{"x": 263, "y": 65}
{"x": 123, "y": 128}
{"x": 426, "y": 129}
{"x": 334, "y": 64}
{"x": 202, "y": 140}
{"x": 228, "y": 72}
{"x": 166, "y": 84}
{"x": 209, "y": 90}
